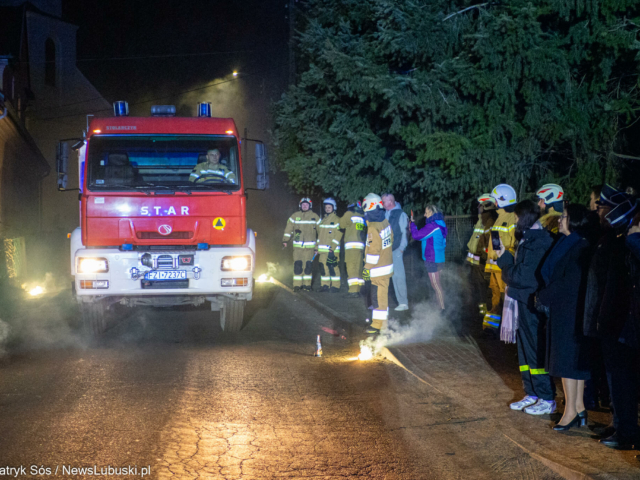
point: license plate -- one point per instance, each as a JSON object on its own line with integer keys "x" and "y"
{"x": 166, "y": 275}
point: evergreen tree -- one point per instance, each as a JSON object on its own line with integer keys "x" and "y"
{"x": 441, "y": 100}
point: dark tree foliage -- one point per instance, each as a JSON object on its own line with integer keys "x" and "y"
{"x": 442, "y": 100}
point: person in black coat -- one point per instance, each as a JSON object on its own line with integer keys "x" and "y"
{"x": 565, "y": 273}
{"x": 609, "y": 315}
{"x": 522, "y": 277}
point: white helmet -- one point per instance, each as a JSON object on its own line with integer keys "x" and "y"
{"x": 504, "y": 194}
{"x": 331, "y": 201}
{"x": 486, "y": 197}
{"x": 550, "y": 193}
{"x": 371, "y": 202}
{"x": 305, "y": 200}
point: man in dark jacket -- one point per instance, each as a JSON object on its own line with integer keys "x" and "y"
{"x": 522, "y": 277}
{"x": 609, "y": 315}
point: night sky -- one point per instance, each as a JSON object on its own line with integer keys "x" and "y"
{"x": 186, "y": 35}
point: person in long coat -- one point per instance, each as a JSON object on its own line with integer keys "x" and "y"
{"x": 565, "y": 274}
{"x": 522, "y": 277}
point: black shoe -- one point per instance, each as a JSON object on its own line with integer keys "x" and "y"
{"x": 297, "y": 289}
{"x": 604, "y": 432}
{"x": 618, "y": 442}
{"x": 325, "y": 288}
{"x": 306, "y": 288}
{"x": 576, "y": 422}
{"x": 584, "y": 418}
{"x": 334, "y": 290}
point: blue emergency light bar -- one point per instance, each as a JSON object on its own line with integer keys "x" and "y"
{"x": 204, "y": 109}
{"x": 120, "y": 109}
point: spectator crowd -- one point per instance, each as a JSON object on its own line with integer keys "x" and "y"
{"x": 559, "y": 279}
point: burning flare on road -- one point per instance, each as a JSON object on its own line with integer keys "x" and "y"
{"x": 366, "y": 353}
{"x": 264, "y": 278}
{"x": 34, "y": 292}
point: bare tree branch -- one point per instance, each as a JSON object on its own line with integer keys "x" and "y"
{"x": 464, "y": 10}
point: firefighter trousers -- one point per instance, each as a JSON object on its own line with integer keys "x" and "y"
{"x": 354, "y": 261}
{"x": 302, "y": 258}
{"x": 380, "y": 301}
{"x": 493, "y": 318}
{"x": 531, "y": 338}
{"x": 329, "y": 274}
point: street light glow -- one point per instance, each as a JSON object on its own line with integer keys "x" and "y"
{"x": 235, "y": 73}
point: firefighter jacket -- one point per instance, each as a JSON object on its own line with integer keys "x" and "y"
{"x": 550, "y": 221}
{"x": 329, "y": 233}
{"x": 378, "y": 253}
{"x": 355, "y": 230}
{"x": 302, "y": 229}
{"x": 505, "y": 225}
{"x": 480, "y": 238}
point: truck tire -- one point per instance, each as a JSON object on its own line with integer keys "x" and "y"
{"x": 232, "y": 314}
{"x": 94, "y": 318}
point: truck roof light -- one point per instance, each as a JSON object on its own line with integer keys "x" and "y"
{"x": 120, "y": 109}
{"x": 229, "y": 132}
{"x": 203, "y": 246}
{"x": 204, "y": 109}
{"x": 126, "y": 246}
{"x": 163, "y": 111}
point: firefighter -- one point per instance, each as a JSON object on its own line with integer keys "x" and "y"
{"x": 477, "y": 245}
{"x": 212, "y": 171}
{"x": 355, "y": 235}
{"x": 302, "y": 226}
{"x": 329, "y": 236}
{"x": 550, "y": 201}
{"x": 505, "y": 225}
{"x": 378, "y": 260}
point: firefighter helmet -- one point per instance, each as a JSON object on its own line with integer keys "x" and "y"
{"x": 486, "y": 197}
{"x": 306, "y": 200}
{"x": 504, "y": 194}
{"x": 371, "y": 202}
{"x": 550, "y": 193}
{"x": 331, "y": 201}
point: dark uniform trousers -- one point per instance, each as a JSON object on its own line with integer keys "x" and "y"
{"x": 621, "y": 363}
{"x": 531, "y": 340}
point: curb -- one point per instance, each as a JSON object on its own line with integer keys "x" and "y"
{"x": 565, "y": 472}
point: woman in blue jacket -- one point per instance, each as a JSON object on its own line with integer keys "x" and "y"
{"x": 434, "y": 238}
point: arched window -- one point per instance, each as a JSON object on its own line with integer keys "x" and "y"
{"x": 50, "y": 62}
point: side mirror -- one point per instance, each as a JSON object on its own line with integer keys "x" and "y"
{"x": 262, "y": 166}
{"x": 62, "y": 164}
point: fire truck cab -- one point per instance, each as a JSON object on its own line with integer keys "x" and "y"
{"x": 162, "y": 214}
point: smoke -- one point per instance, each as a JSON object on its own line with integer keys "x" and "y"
{"x": 273, "y": 269}
{"x": 5, "y": 330}
{"x": 427, "y": 320}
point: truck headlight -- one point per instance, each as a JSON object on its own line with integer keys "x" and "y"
{"x": 236, "y": 264}
{"x": 92, "y": 265}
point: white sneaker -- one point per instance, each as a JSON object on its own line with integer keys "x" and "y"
{"x": 402, "y": 307}
{"x": 543, "y": 407}
{"x": 524, "y": 403}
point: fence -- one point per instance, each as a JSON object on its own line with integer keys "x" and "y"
{"x": 459, "y": 229}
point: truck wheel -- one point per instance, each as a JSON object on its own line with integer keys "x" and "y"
{"x": 232, "y": 314}
{"x": 94, "y": 318}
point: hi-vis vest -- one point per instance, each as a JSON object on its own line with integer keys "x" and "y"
{"x": 505, "y": 225}
{"x": 472, "y": 256}
{"x": 378, "y": 257}
{"x": 329, "y": 233}
{"x": 355, "y": 229}
{"x": 301, "y": 228}
{"x": 210, "y": 173}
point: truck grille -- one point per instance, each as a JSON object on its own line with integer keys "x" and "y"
{"x": 164, "y": 284}
{"x": 165, "y": 262}
{"x": 171, "y": 236}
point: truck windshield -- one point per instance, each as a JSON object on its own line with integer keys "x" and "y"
{"x": 134, "y": 162}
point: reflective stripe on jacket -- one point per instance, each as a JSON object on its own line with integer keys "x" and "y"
{"x": 329, "y": 233}
{"x": 505, "y": 225}
{"x": 306, "y": 223}
{"x": 355, "y": 229}
{"x": 378, "y": 254}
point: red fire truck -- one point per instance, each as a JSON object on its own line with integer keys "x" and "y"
{"x": 162, "y": 214}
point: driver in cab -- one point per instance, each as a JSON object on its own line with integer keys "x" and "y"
{"x": 212, "y": 171}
